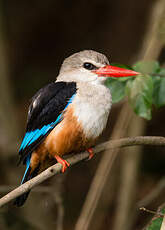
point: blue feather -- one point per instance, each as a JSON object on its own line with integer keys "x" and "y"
{"x": 27, "y": 167}
{"x": 32, "y": 136}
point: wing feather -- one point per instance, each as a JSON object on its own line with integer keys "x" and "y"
{"x": 45, "y": 112}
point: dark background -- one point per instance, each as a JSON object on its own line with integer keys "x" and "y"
{"x": 35, "y": 37}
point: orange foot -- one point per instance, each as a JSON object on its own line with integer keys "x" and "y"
{"x": 91, "y": 153}
{"x": 64, "y": 163}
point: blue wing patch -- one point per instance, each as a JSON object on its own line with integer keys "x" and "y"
{"x": 52, "y": 101}
{"x": 32, "y": 136}
{"x": 27, "y": 167}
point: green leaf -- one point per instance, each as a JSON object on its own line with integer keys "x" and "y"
{"x": 117, "y": 89}
{"x": 147, "y": 67}
{"x": 139, "y": 93}
{"x": 159, "y": 91}
{"x": 162, "y": 71}
{"x": 142, "y": 91}
{"x": 156, "y": 222}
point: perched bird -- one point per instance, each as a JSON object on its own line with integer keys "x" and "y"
{"x": 68, "y": 115}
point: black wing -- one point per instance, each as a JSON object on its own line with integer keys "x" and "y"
{"x": 45, "y": 112}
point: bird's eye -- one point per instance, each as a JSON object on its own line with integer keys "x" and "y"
{"x": 89, "y": 66}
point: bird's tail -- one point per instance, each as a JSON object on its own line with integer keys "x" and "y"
{"x": 19, "y": 201}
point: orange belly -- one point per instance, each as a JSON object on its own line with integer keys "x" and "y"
{"x": 65, "y": 138}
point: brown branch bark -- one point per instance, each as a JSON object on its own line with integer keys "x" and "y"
{"x": 55, "y": 169}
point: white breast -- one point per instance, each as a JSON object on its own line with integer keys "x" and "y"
{"x": 92, "y": 104}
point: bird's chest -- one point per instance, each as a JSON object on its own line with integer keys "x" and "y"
{"x": 91, "y": 109}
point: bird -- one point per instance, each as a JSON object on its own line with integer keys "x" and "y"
{"x": 68, "y": 115}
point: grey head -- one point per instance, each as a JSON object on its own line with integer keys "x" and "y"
{"x": 80, "y": 67}
{"x": 90, "y": 66}
{"x": 77, "y": 60}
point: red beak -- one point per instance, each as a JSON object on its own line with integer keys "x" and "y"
{"x": 113, "y": 71}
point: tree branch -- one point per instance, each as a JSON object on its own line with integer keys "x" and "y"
{"x": 55, "y": 169}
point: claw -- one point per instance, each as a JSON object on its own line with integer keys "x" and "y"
{"x": 91, "y": 153}
{"x": 64, "y": 163}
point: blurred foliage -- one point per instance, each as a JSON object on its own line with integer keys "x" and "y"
{"x": 143, "y": 91}
{"x": 156, "y": 222}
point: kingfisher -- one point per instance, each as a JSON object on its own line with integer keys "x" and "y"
{"x": 68, "y": 115}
